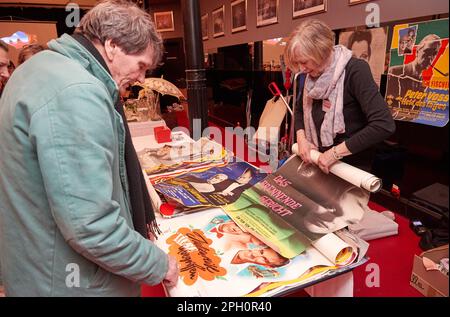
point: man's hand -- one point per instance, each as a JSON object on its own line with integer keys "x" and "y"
{"x": 171, "y": 278}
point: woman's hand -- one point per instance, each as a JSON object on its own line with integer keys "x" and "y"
{"x": 326, "y": 159}
{"x": 304, "y": 149}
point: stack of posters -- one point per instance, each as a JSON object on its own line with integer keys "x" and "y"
{"x": 217, "y": 258}
{"x": 180, "y": 156}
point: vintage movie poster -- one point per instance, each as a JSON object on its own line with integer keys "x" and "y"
{"x": 417, "y": 87}
{"x": 217, "y": 258}
{"x": 216, "y": 186}
{"x": 298, "y": 205}
{"x": 369, "y": 45}
{"x": 182, "y": 154}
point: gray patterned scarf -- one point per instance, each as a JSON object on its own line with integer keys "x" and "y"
{"x": 329, "y": 87}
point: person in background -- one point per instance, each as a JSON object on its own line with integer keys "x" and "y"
{"x": 360, "y": 43}
{"x": 341, "y": 112}
{"x": 4, "y": 75}
{"x": 68, "y": 226}
{"x": 11, "y": 68}
{"x": 27, "y": 51}
{"x": 4, "y": 63}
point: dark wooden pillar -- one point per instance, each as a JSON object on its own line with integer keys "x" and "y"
{"x": 258, "y": 55}
{"x": 195, "y": 68}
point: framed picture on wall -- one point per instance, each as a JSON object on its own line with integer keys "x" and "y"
{"x": 266, "y": 12}
{"x": 164, "y": 21}
{"x": 238, "y": 15}
{"x": 205, "y": 26}
{"x": 307, "y": 7}
{"x": 352, "y": 2}
{"x": 218, "y": 17}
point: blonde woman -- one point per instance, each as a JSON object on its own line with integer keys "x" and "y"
{"x": 341, "y": 112}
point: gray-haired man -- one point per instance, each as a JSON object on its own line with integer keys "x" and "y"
{"x": 67, "y": 226}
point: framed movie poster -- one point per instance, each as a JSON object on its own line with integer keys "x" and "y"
{"x": 238, "y": 15}
{"x": 266, "y": 12}
{"x": 218, "y": 17}
{"x": 308, "y": 7}
{"x": 205, "y": 26}
{"x": 164, "y": 21}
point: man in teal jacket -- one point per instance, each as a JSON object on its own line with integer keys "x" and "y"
{"x": 65, "y": 219}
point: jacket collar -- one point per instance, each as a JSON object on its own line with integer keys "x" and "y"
{"x": 84, "y": 52}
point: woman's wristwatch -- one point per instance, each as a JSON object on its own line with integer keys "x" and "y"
{"x": 336, "y": 156}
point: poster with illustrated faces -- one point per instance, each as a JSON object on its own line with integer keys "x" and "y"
{"x": 214, "y": 186}
{"x": 218, "y": 258}
{"x": 368, "y": 45}
{"x": 417, "y": 86}
{"x": 298, "y": 205}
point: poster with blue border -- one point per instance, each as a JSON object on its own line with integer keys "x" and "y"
{"x": 215, "y": 186}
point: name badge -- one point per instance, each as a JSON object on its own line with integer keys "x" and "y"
{"x": 326, "y": 105}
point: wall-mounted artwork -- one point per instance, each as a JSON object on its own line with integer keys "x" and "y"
{"x": 417, "y": 81}
{"x": 218, "y": 17}
{"x": 205, "y": 26}
{"x": 238, "y": 15}
{"x": 352, "y": 2}
{"x": 266, "y": 12}
{"x": 307, "y": 7}
{"x": 164, "y": 21}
